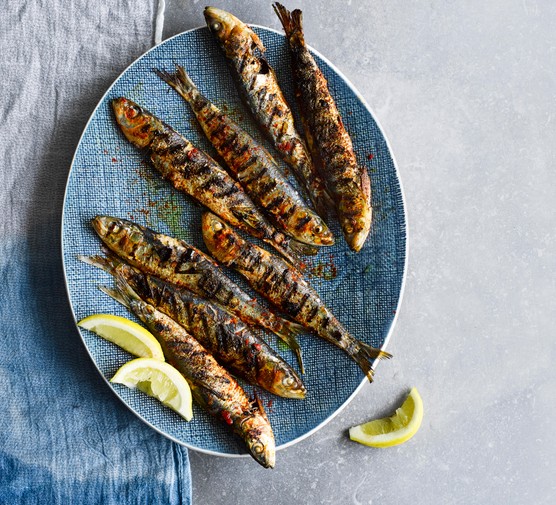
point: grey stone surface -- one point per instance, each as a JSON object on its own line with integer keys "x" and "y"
{"x": 466, "y": 94}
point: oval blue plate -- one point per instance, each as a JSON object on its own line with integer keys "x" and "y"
{"x": 110, "y": 176}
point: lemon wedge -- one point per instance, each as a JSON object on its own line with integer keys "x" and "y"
{"x": 159, "y": 380}
{"x": 393, "y": 430}
{"x": 130, "y": 336}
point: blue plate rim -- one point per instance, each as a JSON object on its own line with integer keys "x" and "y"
{"x": 404, "y": 275}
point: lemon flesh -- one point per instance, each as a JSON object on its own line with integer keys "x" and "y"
{"x": 159, "y": 380}
{"x": 130, "y": 336}
{"x": 393, "y": 430}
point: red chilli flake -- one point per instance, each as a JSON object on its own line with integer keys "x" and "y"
{"x": 114, "y": 160}
{"x": 191, "y": 154}
{"x": 370, "y": 156}
{"x": 257, "y": 346}
{"x": 227, "y": 417}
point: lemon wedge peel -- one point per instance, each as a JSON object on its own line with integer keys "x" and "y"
{"x": 159, "y": 380}
{"x": 393, "y": 430}
{"x": 127, "y": 334}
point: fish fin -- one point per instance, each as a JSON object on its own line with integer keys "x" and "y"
{"x": 301, "y": 248}
{"x": 180, "y": 81}
{"x": 288, "y": 335}
{"x": 260, "y": 406}
{"x": 257, "y": 41}
{"x": 291, "y": 21}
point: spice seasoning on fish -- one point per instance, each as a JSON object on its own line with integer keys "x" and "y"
{"x": 285, "y": 287}
{"x": 195, "y": 173}
{"x": 183, "y": 265}
{"x": 257, "y": 85}
{"x": 229, "y": 341}
{"x": 347, "y": 182}
{"x": 253, "y": 166}
{"x": 212, "y": 387}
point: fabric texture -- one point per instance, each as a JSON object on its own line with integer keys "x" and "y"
{"x": 64, "y": 437}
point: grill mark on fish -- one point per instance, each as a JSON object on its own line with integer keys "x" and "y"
{"x": 259, "y": 89}
{"x": 188, "y": 268}
{"x": 284, "y": 286}
{"x": 259, "y": 170}
{"x": 347, "y": 182}
{"x": 193, "y": 172}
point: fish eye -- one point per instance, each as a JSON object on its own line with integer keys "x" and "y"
{"x": 318, "y": 228}
{"x": 132, "y": 112}
{"x": 258, "y": 448}
{"x": 349, "y": 228}
{"x": 216, "y": 26}
{"x": 217, "y": 226}
{"x": 288, "y": 381}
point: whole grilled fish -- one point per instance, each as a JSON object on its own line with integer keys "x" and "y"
{"x": 231, "y": 343}
{"x": 253, "y": 166}
{"x": 257, "y": 85}
{"x": 212, "y": 387}
{"x": 194, "y": 172}
{"x": 285, "y": 287}
{"x": 347, "y": 182}
{"x": 185, "y": 266}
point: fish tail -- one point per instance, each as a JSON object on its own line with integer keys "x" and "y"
{"x": 180, "y": 81}
{"x": 288, "y": 333}
{"x": 365, "y": 355}
{"x": 291, "y": 21}
{"x": 98, "y": 261}
{"x": 375, "y": 353}
{"x": 123, "y": 293}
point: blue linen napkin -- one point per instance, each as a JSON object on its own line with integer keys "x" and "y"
{"x": 65, "y": 437}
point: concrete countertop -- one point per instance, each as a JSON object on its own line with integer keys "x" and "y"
{"x": 466, "y": 94}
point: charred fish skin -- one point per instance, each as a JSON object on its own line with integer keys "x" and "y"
{"x": 253, "y": 166}
{"x": 245, "y": 355}
{"x": 284, "y": 287}
{"x": 258, "y": 87}
{"x": 195, "y": 173}
{"x": 212, "y": 387}
{"x": 347, "y": 182}
{"x": 185, "y": 266}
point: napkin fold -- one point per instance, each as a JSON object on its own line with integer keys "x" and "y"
{"x": 64, "y": 437}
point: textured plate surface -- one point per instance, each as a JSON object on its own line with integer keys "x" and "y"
{"x": 110, "y": 176}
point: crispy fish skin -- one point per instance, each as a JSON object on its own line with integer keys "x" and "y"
{"x": 230, "y": 342}
{"x": 253, "y": 166}
{"x": 257, "y": 85}
{"x": 285, "y": 287}
{"x": 183, "y": 265}
{"x": 347, "y": 182}
{"x": 212, "y": 387}
{"x": 195, "y": 173}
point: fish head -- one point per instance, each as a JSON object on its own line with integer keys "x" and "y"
{"x": 116, "y": 233}
{"x": 314, "y": 231}
{"x": 135, "y": 122}
{"x": 259, "y": 438}
{"x": 356, "y": 230}
{"x": 283, "y": 381}
{"x": 219, "y": 238}
{"x": 233, "y": 34}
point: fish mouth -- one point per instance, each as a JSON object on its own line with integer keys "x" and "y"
{"x": 264, "y": 452}
{"x": 101, "y": 224}
{"x": 357, "y": 239}
{"x": 293, "y": 394}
